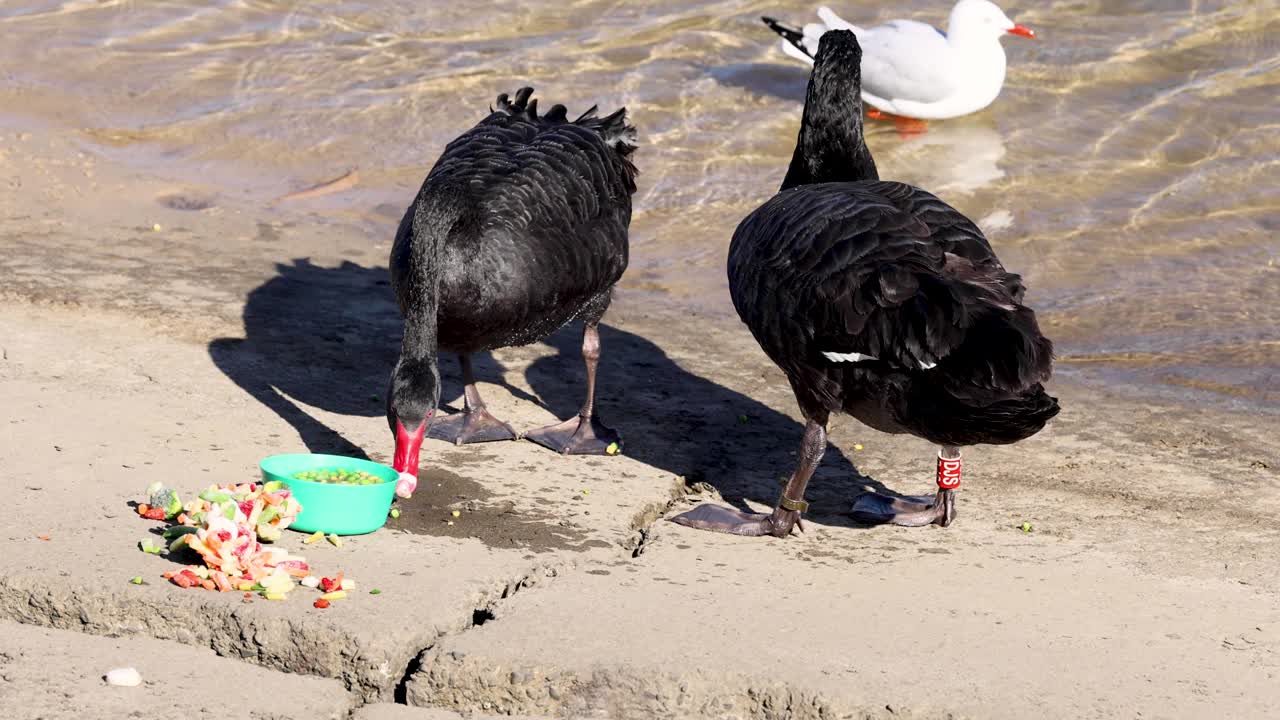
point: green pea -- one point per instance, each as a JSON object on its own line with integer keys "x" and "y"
{"x": 339, "y": 476}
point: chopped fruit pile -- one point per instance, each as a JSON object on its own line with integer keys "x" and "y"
{"x": 267, "y": 508}
{"x": 233, "y": 550}
{"x": 227, "y": 526}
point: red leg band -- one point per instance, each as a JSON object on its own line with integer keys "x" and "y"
{"x": 948, "y": 472}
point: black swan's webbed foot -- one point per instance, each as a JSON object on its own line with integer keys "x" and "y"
{"x": 718, "y": 518}
{"x": 786, "y": 515}
{"x": 578, "y": 436}
{"x": 916, "y": 511}
{"x": 474, "y": 425}
{"x": 584, "y": 434}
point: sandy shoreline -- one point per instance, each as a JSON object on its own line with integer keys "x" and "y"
{"x": 188, "y": 352}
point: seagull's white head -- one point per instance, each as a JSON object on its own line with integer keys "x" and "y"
{"x": 981, "y": 18}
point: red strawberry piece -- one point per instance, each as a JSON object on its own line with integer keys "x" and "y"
{"x": 186, "y": 579}
{"x": 154, "y": 514}
{"x": 321, "y": 603}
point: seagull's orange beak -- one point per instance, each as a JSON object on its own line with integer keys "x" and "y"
{"x": 1022, "y": 30}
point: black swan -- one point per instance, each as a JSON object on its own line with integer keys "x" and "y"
{"x": 881, "y": 301}
{"x": 519, "y": 228}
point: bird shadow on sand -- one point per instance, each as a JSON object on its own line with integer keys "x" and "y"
{"x": 326, "y": 338}
{"x": 685, "y": 424}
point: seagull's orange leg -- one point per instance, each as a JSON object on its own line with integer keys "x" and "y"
{"x": 904, "y": 125}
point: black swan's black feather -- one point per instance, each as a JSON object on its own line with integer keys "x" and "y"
{"x": 877, "y": 298}
{"x": 519, "y": 228}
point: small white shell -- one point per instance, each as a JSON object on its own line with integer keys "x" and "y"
{"x": 124, "y": 677}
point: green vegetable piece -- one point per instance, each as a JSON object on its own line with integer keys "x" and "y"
{"x": 137, "y": 580}
{"x": 213, "y": 495}
{"x": 395, "y": 512}
{"x": 150, "y": 546}
{"x": 268, "y": 533}
{"x": 375, "y": 591}
{"x": 174, "y": 531}
{"x": 269, "y": 513}
{"x": 1026, "y": 527}
{"x": 166, "y": 498}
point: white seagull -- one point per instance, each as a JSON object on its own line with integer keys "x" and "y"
{"x": 914, "y": 70}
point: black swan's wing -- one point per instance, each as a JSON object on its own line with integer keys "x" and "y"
{"x": 543, "y": 204}
{"x": 543, "y": 175}
{"x": 886, "y": 278}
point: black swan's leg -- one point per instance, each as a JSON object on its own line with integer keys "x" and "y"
{"x": 916, "y": 511}
{"x": 474, "y": 424}
{"x": 786, "y": 514}
{"x": 584, "y": 434}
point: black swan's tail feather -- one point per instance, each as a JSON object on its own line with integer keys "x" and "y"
{"x": 1003, "y": 354}
{"x": 988, "y": 388}
{"x": 793, "y": 35}
{"x": 962, "y": 329}
{"x": 613, "y": 129}
{"x": 999, "y": 423}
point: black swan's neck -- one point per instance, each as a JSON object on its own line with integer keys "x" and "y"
{"x": 436, "y": 215}
{"x": 831, "y": 147}
{"x": 415, "y": 384}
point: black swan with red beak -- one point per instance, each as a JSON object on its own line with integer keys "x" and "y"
{"x": 520, "y": 228}
{"x": 879, "y": 300}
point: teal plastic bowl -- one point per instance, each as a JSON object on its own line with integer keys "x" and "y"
{"x": 329, "y": 508}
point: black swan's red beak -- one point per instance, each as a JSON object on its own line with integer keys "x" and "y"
{"x": 406, "y": 460}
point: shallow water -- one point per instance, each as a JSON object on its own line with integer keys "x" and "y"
{"x": 1130, "y": 169}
